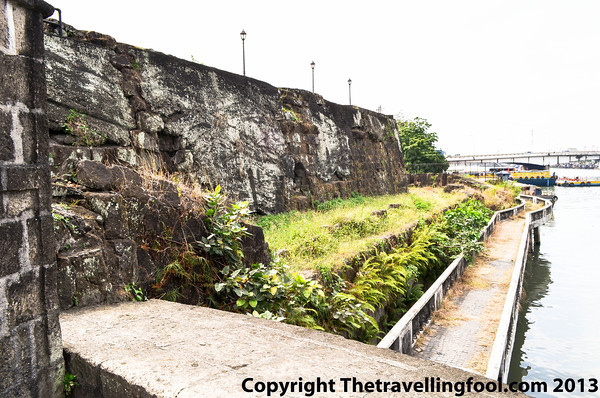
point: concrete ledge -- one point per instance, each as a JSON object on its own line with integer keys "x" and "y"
{"x": 164, "y": 349}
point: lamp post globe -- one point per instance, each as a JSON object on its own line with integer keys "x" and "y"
{"x": 243, "y": 36}
{"x": 349, "y": 91}
{"x": 312, "y": 65}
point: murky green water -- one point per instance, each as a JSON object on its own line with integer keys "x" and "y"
{"x": 558, "y": 333}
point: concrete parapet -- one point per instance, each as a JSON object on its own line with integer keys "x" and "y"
{"x": 164, "y": 349}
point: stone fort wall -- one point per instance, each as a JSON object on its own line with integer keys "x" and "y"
{"x": 30, "y": 339}
{"x": 278, "y": 149}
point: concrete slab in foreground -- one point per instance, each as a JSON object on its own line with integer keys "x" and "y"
{"x": 164, "y": 349}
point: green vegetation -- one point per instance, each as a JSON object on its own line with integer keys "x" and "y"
{"x": 341, "y": 229}
{"x": 418, "y": 146}
{"x": 135, "y": 292}
{"x": 295, "y": 117}
{"x": 501, "y": 196}
{"x": 390, "y": 281}
{"x": 196, "y": 265}
{"x": 211, "y": 271}
{"x": 463, "y": 225}
{"x": 76, "y": 125}
{"x": 59, "y": 218}
{"x": 69, "y": 383}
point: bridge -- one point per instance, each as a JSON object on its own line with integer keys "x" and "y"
{"x": 539, "y": 158}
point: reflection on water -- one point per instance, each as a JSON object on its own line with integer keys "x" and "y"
{"x": 535, "y": 286}
{"x": 558, "y": 328}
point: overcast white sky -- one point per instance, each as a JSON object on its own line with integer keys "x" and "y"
{"x": 490, "y": 76}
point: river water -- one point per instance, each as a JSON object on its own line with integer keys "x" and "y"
{"x": 558, "y": 332}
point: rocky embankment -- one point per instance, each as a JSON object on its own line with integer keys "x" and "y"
{"x": 115, "y": 227}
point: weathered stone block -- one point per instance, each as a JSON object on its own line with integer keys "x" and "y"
{"x": 48, "y": 250}
{"x": 255, "y": 249}
{"x": 8, "y": 369}
{"x": 34, "y": 239}
{"x": 94, "y": 175}
{"x": 379, "y": 213}
{"x": 111, "y": 208}
{"x": 126, "y": 180}
{"x": 15, "y": 80}
{"x": 10, "y": 246}
{"x": 120, "y": 61}
{"x": 17, "y": 202}
{"x": 150, "y": 123}
{"x": 116, "y": 134}
{"x": 122, "y": 258}
{"x": 40, "y": 349}
{"x": 82, "y": 279}
{"x": 6, "y": 142}
{"x": 65, "y": 157}
{"x": 3, "y": 28}
{"x": 48, "y": 274}
{"x": 144, "y": 140}
{"x": 453, "y": 187}
{"x": 25, "y": 298}
{"x": 21, "y": 178}
{"x": 54, "y": 373}
{"x": 70, "y": 62}
{"x": 146, "y": 267}
{"x": 66, "y": 286}
{"x": 23, "y": 19}
{"x": 29, "y": 142}
{"x": 115, "y": 386}
{"x": 85, "y": 371}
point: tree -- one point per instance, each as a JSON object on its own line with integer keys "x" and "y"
{"x": 418, "y": 146}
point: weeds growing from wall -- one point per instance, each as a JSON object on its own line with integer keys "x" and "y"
{"x": 76, "y": 125}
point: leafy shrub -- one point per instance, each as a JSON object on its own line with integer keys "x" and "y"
{"x": 226, "y": 228}
{"x": 195, "y": 265}
{"x": 135, "y": 292}
{"x": 463, "y": 226}
{"x": 273, "y": 292}
{"x": 69, "y": 383}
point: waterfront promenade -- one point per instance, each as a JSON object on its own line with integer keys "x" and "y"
{"x": 462, "y": 331}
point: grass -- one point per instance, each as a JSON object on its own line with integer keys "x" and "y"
{"x": 334, "y": 231}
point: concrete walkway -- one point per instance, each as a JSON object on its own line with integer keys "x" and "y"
{"x": 164, "y": 349}
{"x": 462, "y": 332}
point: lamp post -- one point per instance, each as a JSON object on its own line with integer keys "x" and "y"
{"x": 312, "y": 65}
{"x": 243, "y": 36}
{"x": 349, "y": 91}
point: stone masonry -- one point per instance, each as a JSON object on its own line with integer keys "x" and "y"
{"x": 278, "y": 149}
{"x": 30, "y": 338}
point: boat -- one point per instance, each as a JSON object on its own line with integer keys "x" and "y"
{"x": 540, "y": 178}
{"x": 576, "y": 182}
{"x": 546, "y": 194}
